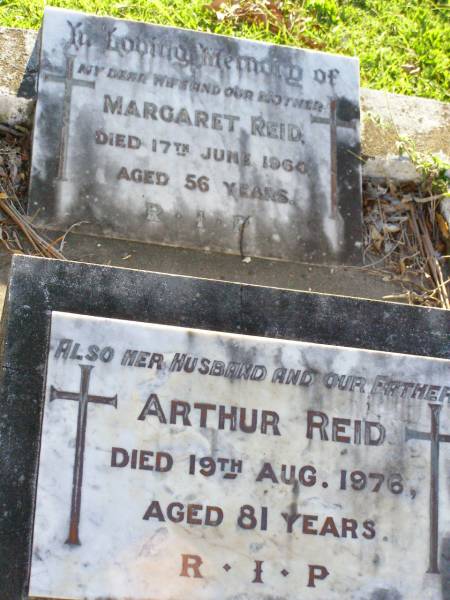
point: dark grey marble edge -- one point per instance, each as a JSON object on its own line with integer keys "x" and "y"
{"x": 39, "y": 286}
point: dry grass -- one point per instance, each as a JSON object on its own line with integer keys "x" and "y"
{"x": 16, "y": 229}
{"x": 404, "y": 227}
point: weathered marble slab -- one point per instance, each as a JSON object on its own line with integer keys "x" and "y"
{"x": 179, "y": 463}
{"x": 40, "y": 288}
{"x": 184, "y": 138}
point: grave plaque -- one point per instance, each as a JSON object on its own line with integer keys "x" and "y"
{"x": 183, "y": 138}
{"x": 183, "y": 454}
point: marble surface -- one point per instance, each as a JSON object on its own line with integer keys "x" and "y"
{"x": 203, "y": 141}
{"x": 356, "y": 543}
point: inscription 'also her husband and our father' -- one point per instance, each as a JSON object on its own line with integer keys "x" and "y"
{"x": 185, "y": 138}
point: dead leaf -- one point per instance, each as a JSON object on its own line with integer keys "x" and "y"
{"x": 411, "y": 69}
{"x": 391, "y": 228}
{"x": 443, "y": 226}
{"x": 263, "y": 12}
{"x": 216, "y": 4}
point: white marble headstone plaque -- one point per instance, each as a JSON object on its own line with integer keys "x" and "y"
{"x": 179, "y": 463}
{"x": 190, "y": 139}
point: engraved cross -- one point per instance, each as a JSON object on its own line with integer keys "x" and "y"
{"x": 83, "y": 398}
{"x": 435, "y": 437}
{"x": 334, "y": 123}
{"x": 69, "y": 83}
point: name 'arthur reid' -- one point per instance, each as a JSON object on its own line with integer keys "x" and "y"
{"x": 235, "y": 418}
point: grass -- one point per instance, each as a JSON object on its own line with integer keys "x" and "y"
{"x": 403, "y": 45}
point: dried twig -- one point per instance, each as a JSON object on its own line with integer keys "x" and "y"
{"x": 241, "y": 236}
{"x": 431, "y": 198}
{"x": 62, "y": 240}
